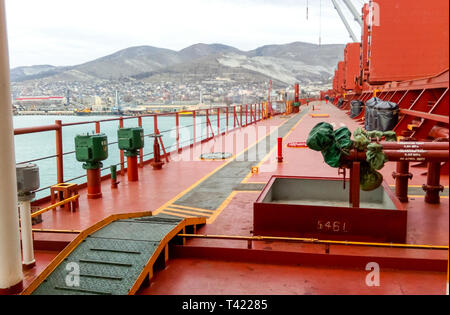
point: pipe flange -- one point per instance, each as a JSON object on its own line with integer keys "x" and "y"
{"x": 428, "y": 188}
{"x": 396, "y": 175}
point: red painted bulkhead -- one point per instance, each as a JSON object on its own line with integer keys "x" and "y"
{"x": 341, "y": 76}
{"x": 352, "y": 65}
{"x": 409, "y": 40}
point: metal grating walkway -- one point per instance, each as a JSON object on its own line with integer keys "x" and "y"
{"x": 206, "y": 198}
{"x": 116, "y": 259}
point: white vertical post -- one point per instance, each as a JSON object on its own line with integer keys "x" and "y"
{"x": 27, "y": 234}
{"x": 11, "y": 275}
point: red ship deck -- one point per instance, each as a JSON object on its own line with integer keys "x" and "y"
{"x": 208, "y": 267}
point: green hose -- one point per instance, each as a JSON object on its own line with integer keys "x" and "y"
{"x": 335, "y": 144}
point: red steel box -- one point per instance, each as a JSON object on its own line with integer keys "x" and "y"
{"x": 335, "y": 78}
{"x": 365, "y": 40}
{"x": 341, "y": 76}
{"x": 292, "y": 206}
{"x": 409, "y": 40}
{"x": 352, "y": 65}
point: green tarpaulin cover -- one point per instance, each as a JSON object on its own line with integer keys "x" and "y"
{"x": 333, "y": 144}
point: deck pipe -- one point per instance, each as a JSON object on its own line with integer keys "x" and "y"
{"x": 417, "y": 155}
{"x": 132, "y": 171}
{"x": 408, "y": 155}
{"x": 433, "y": 186}
{"x": 355, "y": 185}
{"x": 11, "y": 275}
{"x": 312, "y": 241}
{"x": 415, "y": 145}
{"x": 434, "y": 156}
{"x": 438, "y": 132}
{"x": 94, "y": 183}
{"x": 402, "y": 177}
{"x": 114, "y": 182}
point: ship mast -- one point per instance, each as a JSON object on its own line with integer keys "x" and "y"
{"x": 11, "y": 275}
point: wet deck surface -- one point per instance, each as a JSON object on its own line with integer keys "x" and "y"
{"x": 203, "y": 277}
{"x": 224, "y": 192}
{"x": 111, "y": 259}
{"x": 212, "y": 192}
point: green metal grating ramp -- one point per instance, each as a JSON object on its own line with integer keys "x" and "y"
{"x": 115, "y": 260}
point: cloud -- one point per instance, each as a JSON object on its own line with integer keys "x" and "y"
{"x": 75, "y": 31}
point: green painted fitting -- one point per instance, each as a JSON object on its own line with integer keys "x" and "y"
{"x": 114, "y": 172}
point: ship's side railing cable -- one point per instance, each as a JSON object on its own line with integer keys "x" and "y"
{"x": 206, "y": 124}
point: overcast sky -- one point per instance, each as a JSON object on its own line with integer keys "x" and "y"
{"x": 69, "y": 32}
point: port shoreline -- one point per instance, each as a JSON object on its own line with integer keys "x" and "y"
{"x": 39, "y": 113}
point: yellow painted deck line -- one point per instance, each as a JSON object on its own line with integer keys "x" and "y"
{"x": 189, "y": 212}
{"x": 184, "y": 192}
{"x": 176, "y": 214}
{"x": 413, "y": 196}
{"x": 221, "y": 208}
{"x": 212, "y": 160}
{"x": 250, "y": 175}
{"x": 248, "y": 191}
{"x": 190, "y": 208}
{"x": 227, "y": 202}
{"x": 320, "y": 115}
{"x": 246, "y": 179}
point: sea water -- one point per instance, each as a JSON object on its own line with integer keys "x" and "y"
{"x": 34, "y": 146}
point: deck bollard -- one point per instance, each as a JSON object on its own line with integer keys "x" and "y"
{"x": 280, "y": 150}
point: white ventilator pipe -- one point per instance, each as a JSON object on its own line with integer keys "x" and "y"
{"x": 11, "y": 275}
{"x": 27, "y": 234}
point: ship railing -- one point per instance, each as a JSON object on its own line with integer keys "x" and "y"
{"x": 216, "y": 121}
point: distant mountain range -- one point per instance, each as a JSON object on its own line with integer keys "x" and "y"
{"x": 285, "y": 64}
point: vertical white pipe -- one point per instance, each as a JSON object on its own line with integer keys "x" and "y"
{"x": 10, "y": 259}
{"x": 27, "y": 234}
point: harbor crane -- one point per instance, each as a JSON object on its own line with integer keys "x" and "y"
{"x": 355, "y": 14}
